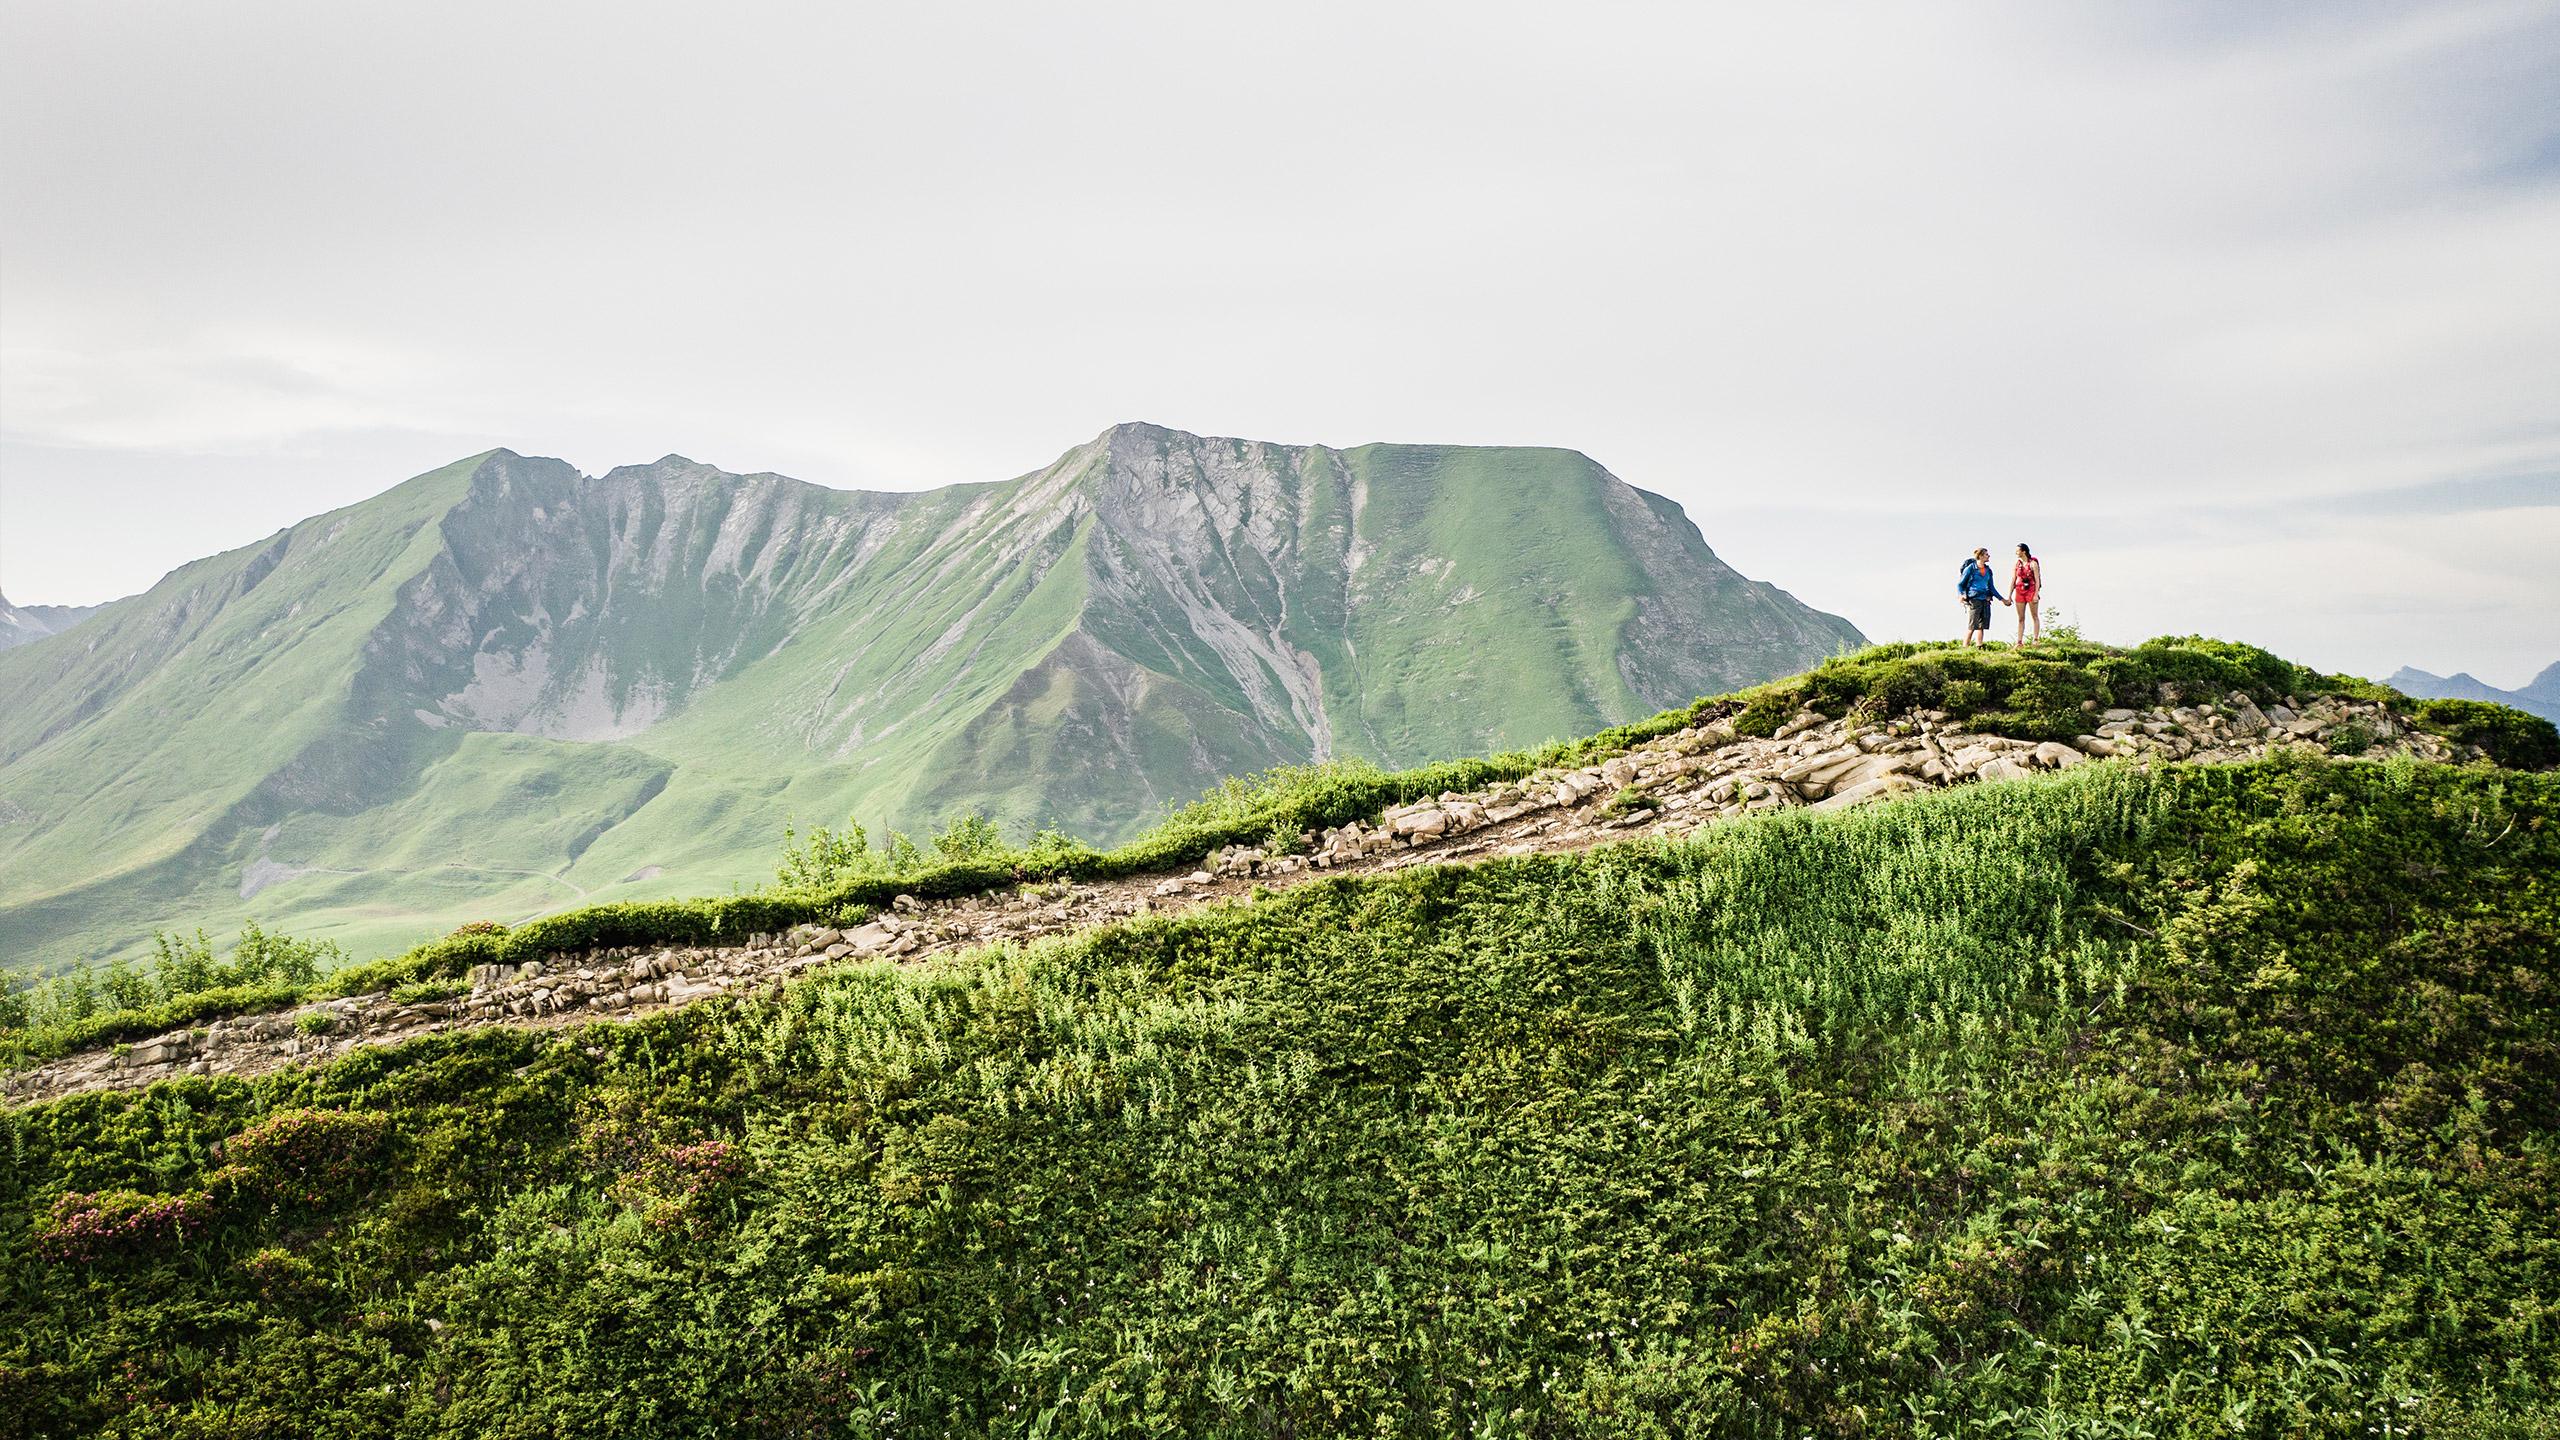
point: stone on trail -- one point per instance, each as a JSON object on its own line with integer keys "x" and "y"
{"x": 1820, "y": 767}
{"x": 1416, "y": 823}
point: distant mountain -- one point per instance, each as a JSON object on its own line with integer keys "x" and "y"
{"x": 503, "y": 687}
{"x": 22, "y": 623}
{"x": 2541, "y": 697}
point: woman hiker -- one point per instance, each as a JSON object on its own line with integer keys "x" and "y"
{"x": 1977, "y": 589}
{"x": 2026, "y": 582}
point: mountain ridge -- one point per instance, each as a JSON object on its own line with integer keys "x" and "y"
{"x": 506, "y": 685}
{"x": 2538, "y": 696}
{"x": 23, "y": 624}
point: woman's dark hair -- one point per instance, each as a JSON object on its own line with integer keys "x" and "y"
{"x": 2023, "y": 550}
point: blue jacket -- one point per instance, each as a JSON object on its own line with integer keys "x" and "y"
{"x": 1976, "y": 583}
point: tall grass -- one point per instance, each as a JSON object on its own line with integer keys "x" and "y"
{"x": 1947, "y": 914}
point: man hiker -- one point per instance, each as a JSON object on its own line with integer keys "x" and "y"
{"x": 1977, "y": 589}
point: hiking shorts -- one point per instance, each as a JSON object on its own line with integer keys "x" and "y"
{"x": 1980, "y": 609}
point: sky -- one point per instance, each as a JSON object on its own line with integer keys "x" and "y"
{"x": 2246, "y": 316}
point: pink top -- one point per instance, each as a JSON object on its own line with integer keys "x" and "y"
{"x": 2024, "y": 580}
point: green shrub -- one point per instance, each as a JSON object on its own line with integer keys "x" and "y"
{"x": 1763, "y": 712}
{"x": 2512, "y": 738}
{"x": 85, "y": 1228}
{"x": 967, "y": 837}
{"x": 185, "y": 981}
{"x": 304, "y": 1157}
{"x": 824, "y": 857}
{"x": 419, "y": 992}
{"x": 52, "y": 1033}
{"x": 1055, "y": 852}
{"x": 902, "y": 855}
{"x": 1626, "y": 802}
{"x": 479, "y": 943}
{"x": 1960, "y": 698}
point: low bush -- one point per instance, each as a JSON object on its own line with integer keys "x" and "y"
{"x": 186, "y": 981}
{"x": 43, "y": 1037}
{"x": 303, "y": 1157}
{"x": 115, "y": 1224}
{"x": 2511, "y": 737}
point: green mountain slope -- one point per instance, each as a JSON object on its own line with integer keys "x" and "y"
{"x": 503, "y": 686}
{"x": 2186, "y": 1101}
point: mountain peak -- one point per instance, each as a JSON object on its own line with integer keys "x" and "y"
{"x": 1143, "y": 430}
{"x": 1082, "y": 646}
{"x": 2540, "y": 697}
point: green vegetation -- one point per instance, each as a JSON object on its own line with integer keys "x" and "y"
{"x": 836, "y": 877}
{"x": 2184, "y": 1102}
{"x": 183, "y": 983}
{"x": 2047, "y": 691}
{"x": 2039, "y": 692}
{"x": 1626, "y": 802}
{"x": 2512, "y": 737}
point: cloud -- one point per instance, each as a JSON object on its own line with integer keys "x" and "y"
{"x": 1852, "y": 261}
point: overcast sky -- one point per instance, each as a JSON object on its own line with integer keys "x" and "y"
{"x": 2247, "y": 315}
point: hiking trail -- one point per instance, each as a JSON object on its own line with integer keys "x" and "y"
{"x": 1668, "y": 786}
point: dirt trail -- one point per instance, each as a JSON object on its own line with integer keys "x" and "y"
{"x": 1669, "y": 786}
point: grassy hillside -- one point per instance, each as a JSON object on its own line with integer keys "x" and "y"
{"x": 2055, "y": 690}
{"x": 2181, "y": 1102}
{"x": 676, "y": 661}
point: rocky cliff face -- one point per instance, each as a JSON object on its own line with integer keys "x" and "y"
{"x": 582, "y": 609}
{"x": 506, "y": 686}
